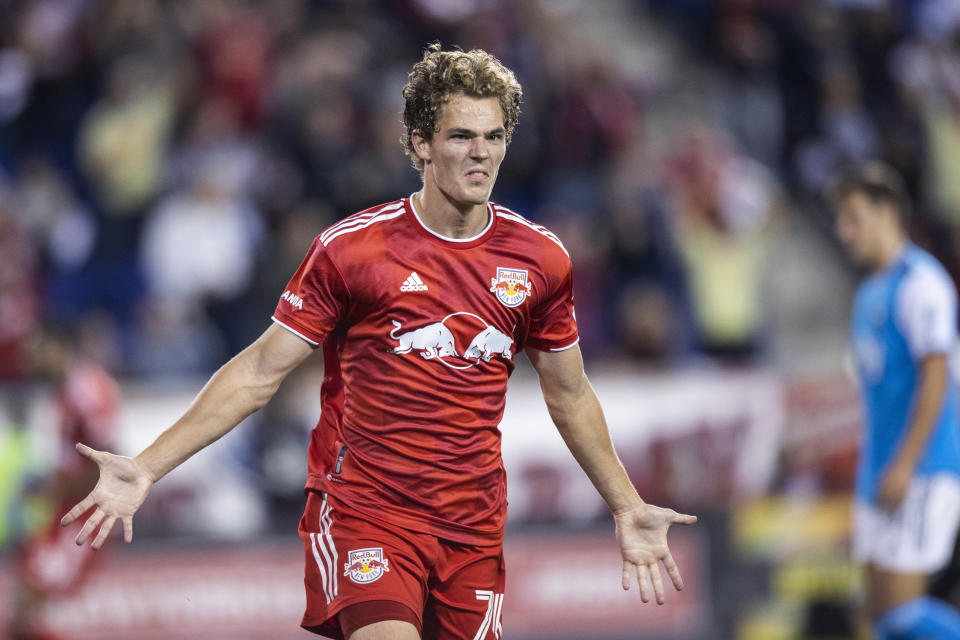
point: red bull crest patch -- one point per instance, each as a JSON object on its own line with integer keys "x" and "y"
{"x": 366, "y": 565}
{"x": 511, "y": 286}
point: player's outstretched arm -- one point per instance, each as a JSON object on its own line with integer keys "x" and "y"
{"x": 239, "y": 388}
{"x": 641, "y": 527}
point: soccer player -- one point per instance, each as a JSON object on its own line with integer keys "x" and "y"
{"x": 420, "y": 306}
{"x": 907, "y": 504}
{"x": 86, "y": 399}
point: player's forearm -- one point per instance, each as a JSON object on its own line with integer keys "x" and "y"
{"x": 933, "y": 385}
{"x": 579, "y": 419}
{"x": 232, "y": 394}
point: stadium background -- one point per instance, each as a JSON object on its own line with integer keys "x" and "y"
{"x": 165, "y": 164}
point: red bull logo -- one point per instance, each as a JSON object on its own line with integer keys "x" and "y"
{"x": 511, "y": 286}
{"x": 365, "y": 565}
{"x": 479, "y": 340}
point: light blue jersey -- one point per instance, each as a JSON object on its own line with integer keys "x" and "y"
{"x": 901, "y": 315}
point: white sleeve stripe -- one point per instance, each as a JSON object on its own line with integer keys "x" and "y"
{"x": 569, "y": 346}
{"x": 380, "y": 218}
{"x": 536, "y": 227}
{"x": 294, "y": 331}
{"x": 348, "y": 222}
{"x": 356, "y": 220}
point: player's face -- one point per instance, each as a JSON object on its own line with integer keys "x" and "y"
{"x": 860, "y": 225}
{"x": 463, "y": 157}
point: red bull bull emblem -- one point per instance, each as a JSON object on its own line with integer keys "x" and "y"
{"x": 511, "y": 286}
{"x": 479, "y": 341}
{"x": 366, "y": 565}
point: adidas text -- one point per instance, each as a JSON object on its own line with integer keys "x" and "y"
{"x": 413, "y": 283}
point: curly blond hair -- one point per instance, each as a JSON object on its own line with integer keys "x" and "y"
{"x": 442, "y": 74}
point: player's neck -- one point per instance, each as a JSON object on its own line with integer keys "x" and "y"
{"x": 447, "y": 218}
{"x": 889, "y": 251}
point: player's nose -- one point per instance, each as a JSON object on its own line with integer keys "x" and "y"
{"x": 478, "y": 149}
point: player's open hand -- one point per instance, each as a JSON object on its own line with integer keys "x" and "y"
{"x": 642, "y": 534}
{"x": 121, "y": 489}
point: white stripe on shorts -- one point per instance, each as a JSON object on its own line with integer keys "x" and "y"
{"x": 322, "y": 543}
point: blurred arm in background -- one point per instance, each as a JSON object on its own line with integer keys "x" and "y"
{"x": 934, "y": 378}
{"x": 243, "y": 385}
{"x": 641, "y": 527}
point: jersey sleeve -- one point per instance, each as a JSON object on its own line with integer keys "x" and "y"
{"x": 927, "y": 313}
{"x": 553, "y": 324}
{"x": 315, "y": 298}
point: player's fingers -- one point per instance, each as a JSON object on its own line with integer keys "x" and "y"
{"x": 90, "y": 525}
{"x": 128, "y": 529}
{"x": 643, "y": 577}
{"x": 92, "y": 454}
{"x": 78, "y": 510}
{"x": 657, "y": 581}
{"x": 673, "y": 571}
{"x": 104, "y": 532}
{"x": 682, "y": 518}
{"x": 85, "y": 451}
{"x": 625, "y": 577}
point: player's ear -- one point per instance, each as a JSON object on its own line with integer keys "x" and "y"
{"x": 421, "y": 145}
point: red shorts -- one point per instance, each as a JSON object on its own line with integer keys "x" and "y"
{"x": 359, "y": 572}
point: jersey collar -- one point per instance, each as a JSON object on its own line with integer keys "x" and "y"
{"x": 453, "y": 243}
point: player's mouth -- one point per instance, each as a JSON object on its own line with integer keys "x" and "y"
{"x": 477, "y": 175}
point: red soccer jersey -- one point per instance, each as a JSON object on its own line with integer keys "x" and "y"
{"x": 419, "y": 334}
{"x": 88, "y": 404}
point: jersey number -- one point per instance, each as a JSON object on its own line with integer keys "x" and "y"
{"x": 491, "y": 619}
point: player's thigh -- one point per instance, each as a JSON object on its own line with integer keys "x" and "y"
{"x": 386, "y": 630}
{"x": 889, "y": 589}
{"x": 466, "y": 595}
{"x": 352, "y": 564}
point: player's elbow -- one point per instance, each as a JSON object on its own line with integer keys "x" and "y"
{"x": 562, "y": 402}
{"x": 261, "y": 394}
{"x": 256, "y": 383}
{"x": 560, "y": 390}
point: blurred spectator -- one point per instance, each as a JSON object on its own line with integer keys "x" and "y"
{"x": 123, "y": 138}
{"x": 200, "y": 247}
{"x": 744, "y": 89}
{"x": 20, "y": 299}
{"x": 721, "y": 204}
{"x": 174, "y": 339}
{"x": 645, "y": 321}
{"x": 64, "y": 229}
{"x": 17, "y": 463}
{"x": 85, "y": 395}
{"x": 234, "y": 51}
{"x": 847, "y": 135}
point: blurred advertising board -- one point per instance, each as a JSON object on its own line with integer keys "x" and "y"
{"x": 693, "y": 438}
{"x": 559, "y": 586}
{"x": 569, "y": 587}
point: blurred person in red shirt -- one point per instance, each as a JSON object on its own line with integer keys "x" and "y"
{"x": 420, "y": 306}
{"x": 86, "y": 399}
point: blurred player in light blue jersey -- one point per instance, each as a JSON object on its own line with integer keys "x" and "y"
{"x": 907, "y": 504}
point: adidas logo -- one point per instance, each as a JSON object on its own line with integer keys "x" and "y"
{"x": 413, "y": 283}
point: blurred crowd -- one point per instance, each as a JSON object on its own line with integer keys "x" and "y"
{"x": 164, "y": 165}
